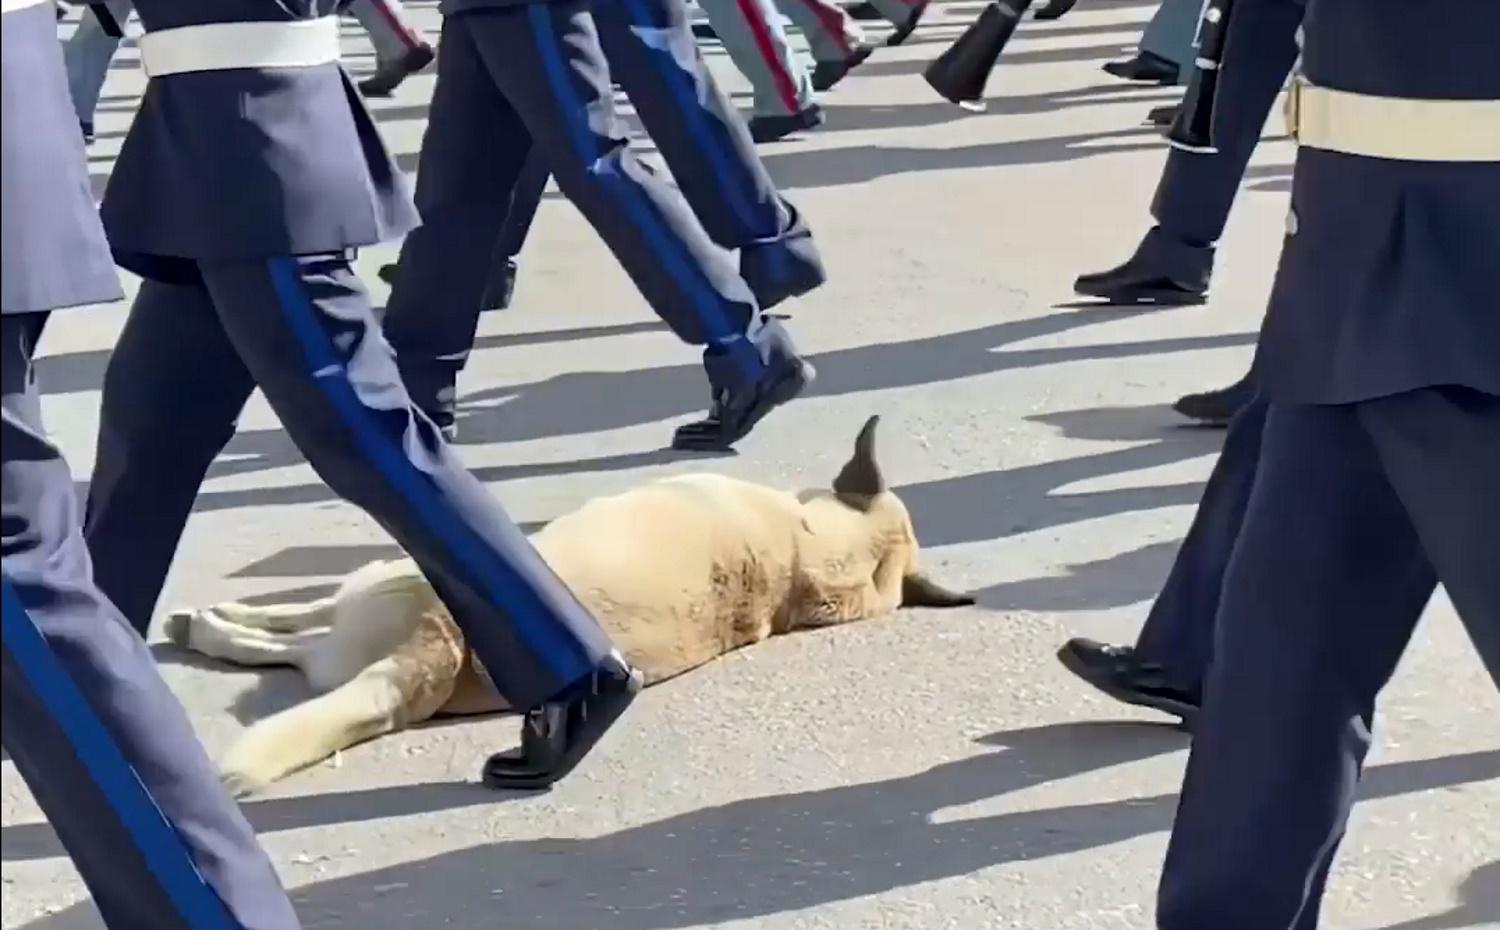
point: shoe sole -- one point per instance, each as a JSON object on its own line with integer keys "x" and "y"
{"x": 1135, "y": 296}
{"x": 602, "y": 716}
{"x": 1187, "y": 713}
{"x": 781, "y": 392}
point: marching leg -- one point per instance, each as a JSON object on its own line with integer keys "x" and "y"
{"x": 752, "y": 35}
{"x": 553, "y": 71}
{"x": 400, "y": 50}
{"x": 1326, "y": 559}
{"x": 1441, "y": 448}
{"x": 306, "y": 331}
{"x": 173, "y": 393}
{"x": 708, "y": 147}
{"x": 837, "y": 43}
{"x": 90, "y": 725}
{"x": 1165, "y": 668}
{"x": 473, "y": 153}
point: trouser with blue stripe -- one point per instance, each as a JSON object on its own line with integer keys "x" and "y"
{"x": 515, "y": 79}
{"x": 302, "y": 330}
{"x": 88, "y": 722}
{"x": 1179, "y": 631}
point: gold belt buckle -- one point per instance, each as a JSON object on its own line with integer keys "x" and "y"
{"x": 1291, "y": 110}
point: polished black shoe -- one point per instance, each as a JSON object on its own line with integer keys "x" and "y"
{"x": 738, "y": 404}
{"x": 1163, "y": 117}
{"x": 1119, "y": 673}
{"x": 1136, "y": 282}
{"x": 558, "y": 735}
{"x": 387, "y": 273}
{"x": 392, "y": 74}
{"x": 1056, "y": 9}
{"x": 771, "y": 128}
{"x": 825, "y": 74}
{"x": 499, "y": 291}
{"x": 1144, "y": 67}
{"x": 1216, "y": 408}
{"x": 904, "y": 30}
{"x": 704, "y": 31}
{"x": 864, "y": 11}
{"x": 87, "y": 129}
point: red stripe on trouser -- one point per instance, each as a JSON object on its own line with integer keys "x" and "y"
{"x": 832, "y": 19}
{"x": 765, "y": 43}
{"x": 398, "y": 24}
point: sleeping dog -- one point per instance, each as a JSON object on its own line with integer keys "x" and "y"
{"x": 679, "y": 572}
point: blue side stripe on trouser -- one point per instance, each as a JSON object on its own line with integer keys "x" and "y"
{"x": 658, "y": 239}
{"x": 697, "y": 122}
{"x": 488, "y": 570}
{"x": 153, "y": 834}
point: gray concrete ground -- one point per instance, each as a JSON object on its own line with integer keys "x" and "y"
{"x": 927, "y": 771}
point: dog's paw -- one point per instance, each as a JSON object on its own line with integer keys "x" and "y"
{"x": 178, "y": 628}
{"x": 240, "y": 784}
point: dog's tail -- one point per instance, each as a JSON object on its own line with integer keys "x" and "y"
{"x": 370, "y": 705}
{"x": 917, "y": 590}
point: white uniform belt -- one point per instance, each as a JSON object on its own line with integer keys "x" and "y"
{"x": 301, "y": 43}
{"x": 10, "y": 6}
{"x": 1397, "y": 128}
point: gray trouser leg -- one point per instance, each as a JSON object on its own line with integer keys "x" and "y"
{"x": 756, "y": 42}
{"x": 831, "y": 33}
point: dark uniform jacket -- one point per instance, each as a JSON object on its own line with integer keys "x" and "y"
{"x": 1388, "y": 277}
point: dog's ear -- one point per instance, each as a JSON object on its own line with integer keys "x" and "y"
{"x": 861, "y": 475}
{"x": 920, "y": 591}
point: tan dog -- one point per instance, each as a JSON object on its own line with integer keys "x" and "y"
{"x": 679, "y": 572}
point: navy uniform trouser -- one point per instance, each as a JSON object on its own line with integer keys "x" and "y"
{"x": 535, "y": 76}
{"x": 302, "y": 330}
{"x": 104, "y": 746}
{"x": 1197, "y": 190}
{"x": 1358, "y": 511}
{"x": 1179, "y": 632}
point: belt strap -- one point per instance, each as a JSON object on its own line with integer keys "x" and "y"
{"x": 1396, "y": 128}
{"x": 301, "y": 43}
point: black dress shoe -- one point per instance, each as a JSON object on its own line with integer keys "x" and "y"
{"x": 387, "y": 273}
{"x": 1163, "y": 117}
{"x": 1216, "y": 408}
{"x": 87, "y": 128}
{"x": 704, "y": 31}
{"x": 1056, "y": 9}
{"x": 556, "y": 736}
{"x": 735, "y": 411}
{"x": 391, "y": 74}
{"x": 1145, "y": 67}
{"x": 904, "y": 30}
{"x": 1136, "y": 282}
{"x": 864, "y": 11}
{"x": 1119, "y": 673}
{"x": 499, "y": 290}
{"x": 771, "y": 128}
{"x": 825, "y": 74}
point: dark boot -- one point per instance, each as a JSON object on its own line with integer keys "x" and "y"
{"x": 904, "y": 30}
{"x": 1120, "y": 673}
{"x": 864, "y": 11}
{"x": 825, "y": 74}
{"x": 1055, "y": 9}
{"x": 1217, "y": 408}
{"x": 556, "y": 736}
{"x": 1145, "y": 67}
{"x": 771, "y": 128}
{"x": 1163, "y": 271}
{"x": 1163, "y": 117}
{"x": 391, "y": 74}
{"x": 738, "y": 401}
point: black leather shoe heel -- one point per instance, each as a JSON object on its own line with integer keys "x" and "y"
{"x": 557, "y": 736}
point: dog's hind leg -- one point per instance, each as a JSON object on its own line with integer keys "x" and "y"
{"x": 377, "y": 701}
{"x": 292, "y": 617}
{"x": 208, "y": 632}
